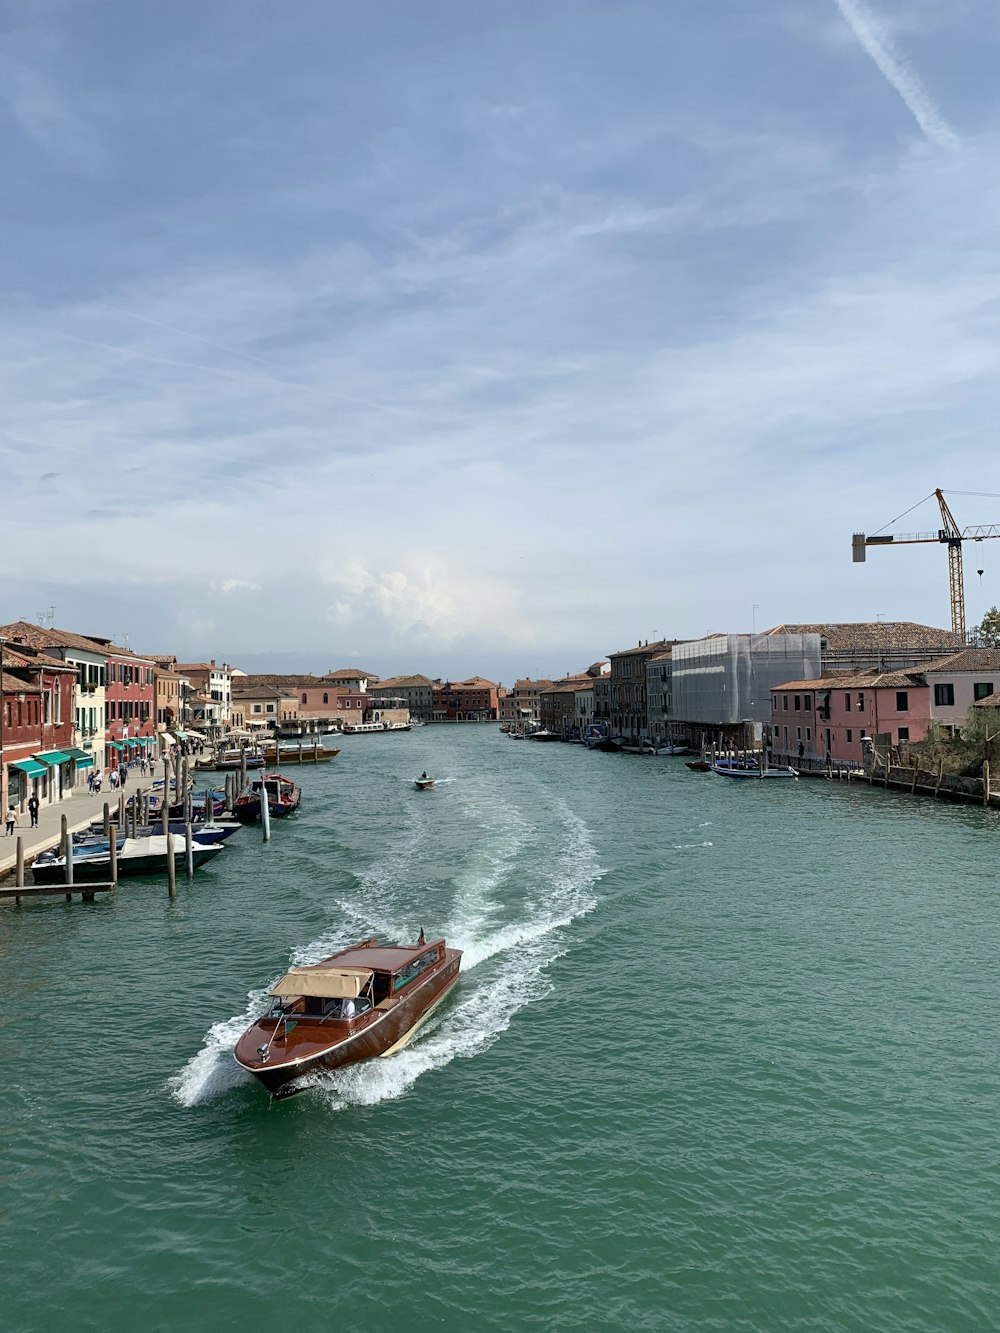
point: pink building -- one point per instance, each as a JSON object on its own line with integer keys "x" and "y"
{"x": 832, "y": 715}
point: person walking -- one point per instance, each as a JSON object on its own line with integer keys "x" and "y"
{"x": 33, "y": 809}
{"x": 11, "y": 820}
{"x": 122, "y": 773}
{"x": 113, "y": 779}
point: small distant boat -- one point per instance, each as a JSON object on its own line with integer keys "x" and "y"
{"x": 544, "y": 735}
{"x": 668, "y": 749}
{"x": 361, "y": 1002}
{"x": 283, "y": 798}
{"x": 699, "y": 765}
{"x": 423, "y": 783}
{"x": 138, "y": 856}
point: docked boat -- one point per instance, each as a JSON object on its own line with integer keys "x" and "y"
{"x": 544, "y": 735}
{"x": 138, "y": 856}
{"x": 699, "y": 765}
{"x": 667, "y": 749}
{"x": 283, "y": 797}
{"x": 752, "y": 772}
{"x": 363, "y": 728}
{"x": 364, "y": 1001}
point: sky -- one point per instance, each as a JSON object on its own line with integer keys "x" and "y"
{"x": 459, "y": 336}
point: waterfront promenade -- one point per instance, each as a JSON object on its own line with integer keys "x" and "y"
{"x": 79, "y": 809}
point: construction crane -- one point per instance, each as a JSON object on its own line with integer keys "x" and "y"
{"x": 950, "y": 535}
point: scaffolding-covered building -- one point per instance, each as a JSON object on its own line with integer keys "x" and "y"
{"x": 724, "y": 683}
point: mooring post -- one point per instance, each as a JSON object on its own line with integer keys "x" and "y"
{"x": 171, "y": 867}
{"x": 189, "y": 846}
{"x": 114, "y": 860}
{"x": 107, "y": 820}
{"x": 19, "y": 871}
{"x": 121, "y": 811}
{"x": 265, "y": 811}
{"x": 67, "y": 846}
{"x": 986, "y": 782}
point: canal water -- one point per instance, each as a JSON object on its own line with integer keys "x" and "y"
{"x": 723, "y": 1056}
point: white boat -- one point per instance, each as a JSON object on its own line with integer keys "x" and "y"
{"x": 668, "y": 749}
{"x": 754, "y": 774}
{"x": 360, "y": 728}
{"x": 544, "y": 735}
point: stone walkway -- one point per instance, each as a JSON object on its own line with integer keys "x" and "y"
{"x": 80, "y": 809}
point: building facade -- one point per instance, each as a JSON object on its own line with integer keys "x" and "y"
{"x": 628, "y": 704}
{"x": 723, "y": 683}
{"x": 215, "y": 684}
{"x": 959, "y": 681}
{"x": 834, "y": 716}
{"x": 130, "y": 702}
{"x": 521, "y": 702}
{"x": 416, "y": 691}
{"x": 472, "y": 700}
{"x": 37, "y": 755}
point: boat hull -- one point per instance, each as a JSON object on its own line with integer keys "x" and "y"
{"x": 98, "y": 869}
{"x": 378, "y": 1032}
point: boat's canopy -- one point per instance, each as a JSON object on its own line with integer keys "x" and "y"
{"x": 331, "y": 983}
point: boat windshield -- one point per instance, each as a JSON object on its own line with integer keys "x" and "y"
{"x": 317, "y": 1006}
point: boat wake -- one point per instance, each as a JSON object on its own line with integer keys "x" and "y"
{"x": 526, "y": 879}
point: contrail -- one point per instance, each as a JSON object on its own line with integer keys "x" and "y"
{"x": 876, "y": 42}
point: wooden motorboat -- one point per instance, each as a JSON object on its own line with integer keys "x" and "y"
{"x": 283, "y": 797}
{"x": 423, "y": 783}
{"x": 544, "y": 735}
{"x": 699, "y": 765}
{"x": 364, "y": 1001}
{"x": 138, "y": 856}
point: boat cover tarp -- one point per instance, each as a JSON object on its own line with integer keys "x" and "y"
{"x": 331, "y": 983}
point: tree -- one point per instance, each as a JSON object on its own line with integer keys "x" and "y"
{"x": 988, "y": 632}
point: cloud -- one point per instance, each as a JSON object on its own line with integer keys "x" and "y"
{"x": 234, "y": 585}
{"x": 876, "y": 43}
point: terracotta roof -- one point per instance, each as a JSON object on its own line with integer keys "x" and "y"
{"x": 199, "y": 666}
{"x": 970, "y": 659}
{"x": 266, "y": 692}
{"x": 857, "y": 680}
{"x": 874, "y": 633}
{"x": 412, "y": 682}
{"x": 665, "y": 656}
{"x": 475, "y": 683}
{"x": 351, "y": 673}
{"x": 12, "y": 658}
{"x": 11, "y": 685}
{"x": 991, "y": 701}
{"x": 22, "y": 631}
{"x": 650, "y": 648}
{"x": 529, "y": 684}
{"x": 115, "y": 650}
{"x": 241, "y": 684}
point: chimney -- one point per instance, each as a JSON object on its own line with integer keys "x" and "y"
{"x": 212, "y": 662}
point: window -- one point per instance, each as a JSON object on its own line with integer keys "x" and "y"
{"x": 902, "y": 701}
{"x": 270, "y": 708}
{"x": 798, "y": 733}
{"x": 847, "y": 703}
{"x": 944, "y": 696}
{"x": 798, "y": 703}
{"x": 982, "y": 689}
{"x": 904, "y": 733}
{"x": 784, "y": 703}
{"x": 863, "y": 733}
{"x": 256, "y": 708}
{"x": 850, "y": 735}
{"x": 809, "y": 703}
{"x": 809, "y": 733}
{"x": 326, "y": 698}
{"x": 303, "y": 698}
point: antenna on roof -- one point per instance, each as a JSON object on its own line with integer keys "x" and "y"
{"x": 46, "y": 617}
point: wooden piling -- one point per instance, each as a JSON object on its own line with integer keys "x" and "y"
{"x": 67, "y": 846}
{"x": 986, "y": 782}
{"x": 940, "y": 777}
{"x": 315, "y": 749}
{"x": 107, "y": 820}
{"x": 913, "y": 784}
{"x": 114, "y": 861}
{"x": 121, "y": 811}
{"x": 189, "y": 846}
{"x": 19, "y": 870}
{"x": 171, "y": 867}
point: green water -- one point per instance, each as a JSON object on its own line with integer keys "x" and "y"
{"x": 723, "y": 1056}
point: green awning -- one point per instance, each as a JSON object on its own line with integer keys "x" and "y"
{"x": 181, "y": 735}
{"x": 86, "y": 762}
{"x": 31, "y": 767}
{"x": 74, "y": 752}
{"x": 131, "y": 741}
{"x": 116, "y": 745}
{"x": 53, "y": 757}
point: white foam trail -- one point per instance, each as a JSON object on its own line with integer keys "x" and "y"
{"x": 213, "y": 1070}
{"x": 485, "y": 1002}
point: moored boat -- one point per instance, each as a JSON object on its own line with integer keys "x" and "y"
{"x": 544, "y": 735}
{"x": 283, "y": 797}
{"x": 699, "y": 765}
{"x": 365, "y": 1001}
{"x": 138, "y": 856}
{"x": 754, "y": 773}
